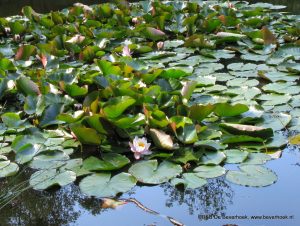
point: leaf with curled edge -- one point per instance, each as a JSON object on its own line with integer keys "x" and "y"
{"x": 253, "y": 131}
{"x": 161, "y": 139}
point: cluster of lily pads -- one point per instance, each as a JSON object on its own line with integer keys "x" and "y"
{"x": 207, "y": 83}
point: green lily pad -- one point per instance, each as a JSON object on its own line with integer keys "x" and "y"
{"x": 116, "y": 106}
{"x": 111, "y": 161}
{"x": 252, "y": 131}
{"x": 231, "y": 139}
{"x": 210, "y": 144}
{"x": 189, "y": 180}
{"x": 8, "y": 169}
{"x": 227, "y": 110}
{"x": 149, "y": 172}
{"x": 209, "y": 171}
{"x": 184, "y": 155}
{"x": 234, "y": 156}
{"x": 41, "y": 180}
{"x": 103, "y": 185}
{"x": 86, "y": 135}
{"x": 212, "y": 158}
{"x": 276, "y": 121}
{"x": 252, "y": 175}
{"x": 27, "y": 86}
{"x": 257, "y": 159}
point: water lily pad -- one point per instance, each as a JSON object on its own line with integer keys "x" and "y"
{"x": 212, "y": 158}
{"x": 231, "y": 139}
{"x": 257, "y": 159}
{"x": 103, "y": 185}
{"x": 149, "y": 172}
{"x": 49, "y": 160}
{"x": 41, "y": 180}
{"x": 227, "y": 110}
{"x": 209, "y": 171}
{"x": 252, "y": 175}
{"x": 210, "y": 144}
{"x": 111, "y": 161}
{"x": 161, "y": 139}
{"x": 254, "y": 131}
{"x": 116, "y": 106}
{"x": 184, "y": 155}
{"x": 189, "y": 181}
{"x": 235, "y": 156}
{"x": 276, "y": 121}
{"x": 86, "y": 135}
{"x": 27, "y": 86}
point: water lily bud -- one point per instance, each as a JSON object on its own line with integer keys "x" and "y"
{"x": 160, "y": 45}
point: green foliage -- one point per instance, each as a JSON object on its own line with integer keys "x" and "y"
{"x": 74, "y": 80}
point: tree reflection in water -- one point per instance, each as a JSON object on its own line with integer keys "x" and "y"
{"x": 212, "y": 199}
{"x": 42, "y": 208}
{"x": 64, "y": 206}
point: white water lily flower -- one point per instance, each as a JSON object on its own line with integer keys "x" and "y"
{"x": 139, "y": 147}
{"x": 141, "y": 84}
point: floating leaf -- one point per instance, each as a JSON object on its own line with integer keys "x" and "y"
{"x": 9, "y": 169}
{"x": 184, "y": 155}
{"x": 189, "y": 180}
{"x": 227, "y": 110}
{"x": 41, "y": 180}
{"x": 210, "y": 144}
{"x": 276, "y": 121}
{"x": 209, "y": 171}
{"x": 253, "y": 131}
{"x": 117, "y": 105}
{"x": 257, "y": 159}
{"x": 252, "y": 175}
{"x": 111, "y": 161}
{"x": 103, "y": 185}
{"x": 27, "y": 86}
{"x": 235, "y": 156}
{"x": 231, "y": 139}
{"x": 149, "y": 172}
{"x": 212, "y": 158}
{"x": 86, "y": 135}
{"x": 200, "y": 112}
{"x": 161, "y": 139}
{"x": 108, "y": 68}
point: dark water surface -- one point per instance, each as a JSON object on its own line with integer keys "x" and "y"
{"x": 12, "y": 7}
{"x": 218, "y": 199}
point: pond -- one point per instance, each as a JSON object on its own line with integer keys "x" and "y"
{"x": 219, "y": 202}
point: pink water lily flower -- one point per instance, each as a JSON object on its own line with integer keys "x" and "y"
{"x": 140, "y": 147}
{"x": 126, "y": 51}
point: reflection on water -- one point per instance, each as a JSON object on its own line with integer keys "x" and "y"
{"x": 13, "y": 7}
{"x": 211, "y": 199}
{"x": 68, "y": 206}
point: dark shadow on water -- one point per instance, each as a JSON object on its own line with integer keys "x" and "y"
{"x": 13, "y": 7}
